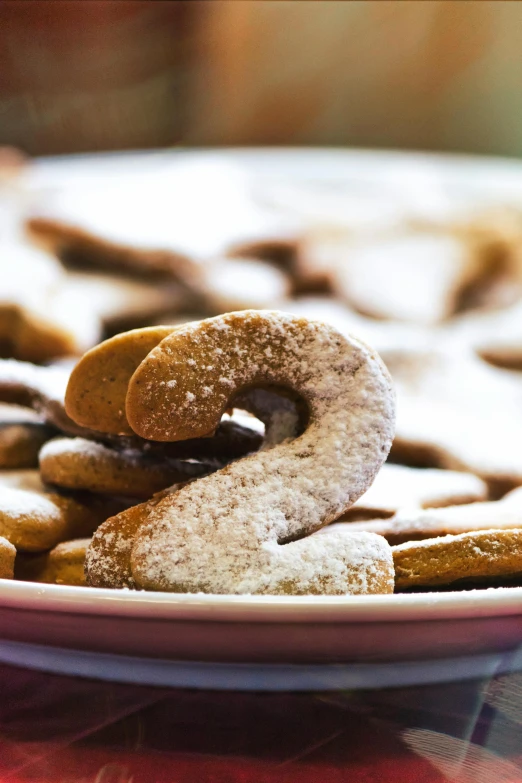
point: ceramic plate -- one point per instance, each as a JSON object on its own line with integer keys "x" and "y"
{"x": 273, "y": 642}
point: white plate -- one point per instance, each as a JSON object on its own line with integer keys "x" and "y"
{"x": 275, "y": 642}
{"x": 261, "y": 642}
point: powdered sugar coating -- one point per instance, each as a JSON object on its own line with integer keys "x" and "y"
{"x": 223, "y": 533}
{"x": 41, "y": 388}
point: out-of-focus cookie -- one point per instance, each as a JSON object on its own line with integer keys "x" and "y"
{"x": 279, "y": 251}
{"x": 78, "y": 248}
{"x": 63, "y": 565}
{"x": 486, "y": 556}
{"x": 382, "y": 335}
{"x": 455, "y": 411}
{"x": 38, "y": 319}
{"x": 320, "y": 252}
{"x": 34, "y": 519}
{"x": 7, "y": 559}
{"x": 39, "y": 388}
{"x": 79, "y": 464}
{"x": 398, "y": 486}
{"x": 495, "y": 335}
{"x": 416, "y": 524}
{"x": 241, "y": 284}
{"x": 22, "y": 434}
{"x": 414, "y": 276}
{"x": 121, "y": 302}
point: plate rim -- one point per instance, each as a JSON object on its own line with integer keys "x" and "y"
{"x": 199, "y": 607}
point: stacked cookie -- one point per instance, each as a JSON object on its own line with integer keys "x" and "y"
{"x": 437, "y": 295}
{"x": 54, "y": 496}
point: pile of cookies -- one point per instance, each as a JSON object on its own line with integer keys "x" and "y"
{"x": 247, "y": 450}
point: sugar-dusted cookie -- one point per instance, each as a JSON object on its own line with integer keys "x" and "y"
{"x": 39, "y": 388}
{"x": 78, "y": 248}
{"x": 96, "y": 390}
{"x": 35, "y": 519}
{"x": 38, "y": 319}
{"x": 495, "y": 335}
{"x": 121, "y": 302}
{"x": 398, "y": 486}
{"x": 63, "y": 565}
{"x": 455, "y": 411}
{"x": 416, "y": 524}
{"x": 80, "y": 464}
{"x": 382, "y": 335}
{"x": 409, "y": 276}
{"x": 240, "y": 284}
{"x": 486, "y": 556}
{"x": 22, "y": 434}
{"x": 279, "y": 251}
{"x": 7, "y": 559}
{"x": 242, "y": 530}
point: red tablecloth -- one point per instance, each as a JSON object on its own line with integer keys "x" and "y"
{"x": 67, "y": 730}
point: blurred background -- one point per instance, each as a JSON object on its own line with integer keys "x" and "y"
{"x": 87, "y": 76}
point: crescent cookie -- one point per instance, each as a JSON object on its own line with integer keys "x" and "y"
{"x": 34, "y": 519}
{"x": 63, "y": 565}
{"x": 243, "y": 529}
{"x": 416, "y": 524}
{"x": 22, "y": 434}
{"x": 76, "y": 463}
{"x": 398, "y": 486}
{"x": 7, "y": 559}
{"x": 454, "y": 411}
{"x": 485, "y": 556}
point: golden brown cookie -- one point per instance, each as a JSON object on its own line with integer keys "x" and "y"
{"x": 383, "y": 277}
{"x": 416, "y": 524}
{"x": 236, "y": 531}
{"x": 486, "y": 556}
{"x": 39, "y": 319}
{"x": 7, "y": 559}
{"x": 63, "y": 565}
{"x": 79, "y": 464}
{"x": 96, "y": 391}
{"x": 39, "y": 388}
{"x": 22, "y": 434}
{"x": 79, "y": 249}
{"x": 34, "y": 519}
{"x": 108, "y": 558}
{"x": 455, "y": 411}
{"x": 240, "y": 284}
{"x": 398, "y": 486}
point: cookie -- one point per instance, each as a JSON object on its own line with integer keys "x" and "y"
{"x": 121, "y": 303}
{"x": 7, "y": 559}
{"x": 240, "y": 284}
{"x": 244, "y": 519}
{"x": 39, "y": 319}
{"x": 416, "y": 524}
{"x": 382, "y": 335}
{"x": 489, "y": 556}
{"x": 455, "y": 411}
{"x": 39, "y": 388}
{"x": 22, "y": 434}
{"x": 413, "y": 277}
{"x": 34, "y": 519}
{"x": 97, "y": 387}
{"x": 398, "y": 486}
{"x": 78, "y": 248}
{"x": 79, "y": 464}
{"x": 63, "y": 565}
